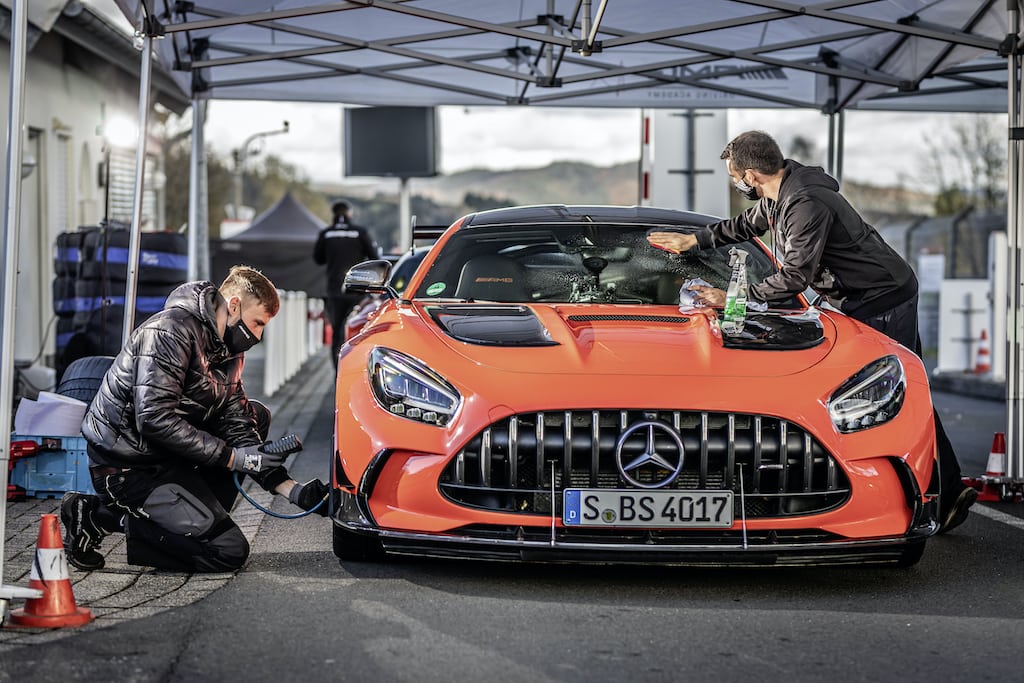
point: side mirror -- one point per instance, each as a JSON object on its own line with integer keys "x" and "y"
{"x": 368, "y": 276}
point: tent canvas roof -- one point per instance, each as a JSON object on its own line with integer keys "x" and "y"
{"x": 288, "y": 220}
{"x": 280, "y": 243}
{"x": 821, "y": 54}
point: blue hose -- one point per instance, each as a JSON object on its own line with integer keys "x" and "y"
{"x": 238, "y": 485}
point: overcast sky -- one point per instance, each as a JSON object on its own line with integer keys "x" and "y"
{"x": 882, "y": 148}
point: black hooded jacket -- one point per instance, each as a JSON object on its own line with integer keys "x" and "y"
{"x": 174, "y": 392}
{"x": 340, "y": 246}
{"x": 823, "y": 243}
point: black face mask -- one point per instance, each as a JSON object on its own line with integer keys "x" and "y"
{"x": 746, "y": 191}
{"x": 239, "y": 338}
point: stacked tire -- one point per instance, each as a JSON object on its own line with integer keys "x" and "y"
{"x": 67, "y": 260}
{"x": 100, "y": 282}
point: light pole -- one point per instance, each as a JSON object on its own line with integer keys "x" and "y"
{"x": 240, "y": 155}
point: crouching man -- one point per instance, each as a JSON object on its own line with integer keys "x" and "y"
{"x": 169, "y": 427}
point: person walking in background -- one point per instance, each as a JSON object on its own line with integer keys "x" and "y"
{"x": 821, "y": 242}
{"x": 339, "y": 246}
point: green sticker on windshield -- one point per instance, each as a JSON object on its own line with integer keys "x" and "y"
{"x": 436, "y": 288}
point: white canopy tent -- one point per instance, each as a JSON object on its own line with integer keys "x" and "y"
{"x": 829, "y": 55}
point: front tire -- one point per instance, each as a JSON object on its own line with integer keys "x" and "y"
{"x": 352, "y": 547}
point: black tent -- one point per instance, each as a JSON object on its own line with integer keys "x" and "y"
{"x": 279, "y": 242}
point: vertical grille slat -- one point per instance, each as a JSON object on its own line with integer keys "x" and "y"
{"x": 783, "y": 463}
{"x": 567, "y": 450}
{"x": 460, "y": 468}
{"x": 485, "y": 457}
{"x": 730, "y": 458}
{"x": 756, "y": 470}
{"x": 508, "y": 466}
{"x": 808, "y": 463}
{"x": 702, "y": 478}
{"x": 513, "y": 452}
{"x": 539, "y": 464}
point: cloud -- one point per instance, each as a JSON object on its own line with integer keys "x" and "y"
{"x": 883, "y": 148}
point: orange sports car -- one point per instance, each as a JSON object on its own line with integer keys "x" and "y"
{"x": 539, "y": 392}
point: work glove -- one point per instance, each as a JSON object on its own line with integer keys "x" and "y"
{"x": 256, "y": 459}
{"x": 308, "y": 495}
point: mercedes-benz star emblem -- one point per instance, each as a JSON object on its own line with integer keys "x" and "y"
{"x": 665, "y": 466}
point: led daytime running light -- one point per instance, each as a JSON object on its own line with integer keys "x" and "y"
{"x": 869, "y": 398}
{"x": 406, "y": 387}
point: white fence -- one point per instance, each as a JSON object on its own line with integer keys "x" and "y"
{"x": 295, "y": 334}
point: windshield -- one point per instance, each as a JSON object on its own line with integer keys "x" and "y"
{"x": 576, "y": 263}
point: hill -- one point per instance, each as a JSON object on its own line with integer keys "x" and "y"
{"x": 570, "y": 182}
{"x": 565, "y": 182}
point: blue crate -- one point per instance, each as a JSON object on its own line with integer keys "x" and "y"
{"x": 61, "y": 465}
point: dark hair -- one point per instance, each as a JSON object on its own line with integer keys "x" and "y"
{"x": 247, "y": 282}
{"x": 754, "y": 149}
{"x": 340, "y": 208}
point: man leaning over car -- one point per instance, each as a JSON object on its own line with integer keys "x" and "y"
{"x": 822, "y": 242}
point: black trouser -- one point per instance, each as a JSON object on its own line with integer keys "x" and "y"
{"x": 900, "y": 323}
{"x": 176, "y": 517}
{"x": 338, "y": 308}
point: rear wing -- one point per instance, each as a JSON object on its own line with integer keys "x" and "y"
{"x": 428, "y": 232}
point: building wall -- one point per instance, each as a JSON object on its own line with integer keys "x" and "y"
{"x": 69, "y": 95}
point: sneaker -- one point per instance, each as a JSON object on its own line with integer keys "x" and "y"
{"x": 957, "y": 513}
{"x": 82, "y": 536}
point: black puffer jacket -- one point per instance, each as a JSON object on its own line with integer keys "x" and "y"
{"x": 823, "y": 243}
{"x": 174, "y": 392}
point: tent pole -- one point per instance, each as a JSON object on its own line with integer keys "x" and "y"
{"x": 198, "y": 220}
{"x": 404, "y": 216}
{"x": 839, "y": 142}
{"x": 836, "y": 135}
{"x": 12, "y": 228}
{"x": 131, "y": 284}
{"x": 1015, "y": 237}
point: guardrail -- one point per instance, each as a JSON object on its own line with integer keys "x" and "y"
{"x": 296, "y": 333}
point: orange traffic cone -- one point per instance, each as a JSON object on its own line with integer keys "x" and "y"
{"x": 57, "y": 607}
{"x": 983, "y": 363}
{"x": 997, "y": 457}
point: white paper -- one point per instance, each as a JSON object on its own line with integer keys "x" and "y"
{"x": 50, "y": 415}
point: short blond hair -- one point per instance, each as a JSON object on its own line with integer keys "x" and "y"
{"x": 247, "y": 282}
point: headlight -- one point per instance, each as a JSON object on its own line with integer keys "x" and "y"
{"x": 871, "y": 397}
{"x": 404, "y": 386}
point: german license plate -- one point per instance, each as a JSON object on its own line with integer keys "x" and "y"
{"x": 615, "y": 507}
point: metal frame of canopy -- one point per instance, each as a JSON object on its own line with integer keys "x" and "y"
{"x": 839, "y": 54}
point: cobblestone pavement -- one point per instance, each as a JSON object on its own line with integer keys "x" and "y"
{"x": 120, "y": 591}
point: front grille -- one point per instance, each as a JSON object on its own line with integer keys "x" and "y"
{"x": 515, "y": 464}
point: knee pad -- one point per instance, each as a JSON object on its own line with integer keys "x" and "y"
{"x": 226, "y": 549}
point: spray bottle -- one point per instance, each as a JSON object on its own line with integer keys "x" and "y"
{"x": 736, "y": 296}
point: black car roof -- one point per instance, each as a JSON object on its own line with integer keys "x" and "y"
{"x": 561, "y": 213}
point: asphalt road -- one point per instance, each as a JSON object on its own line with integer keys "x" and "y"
{"x": 297, "y": 614}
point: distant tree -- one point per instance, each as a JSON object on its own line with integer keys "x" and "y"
{"x": 219, "y": 183}
{"x": 968, "y": 166}
{"x": 268, "y": 182}
{"x": 473, "y": 201}
{"x": 264, "y": 184}
{"x": 804, "y": 150}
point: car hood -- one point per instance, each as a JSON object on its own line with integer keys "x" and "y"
{"x": 627, "y": 340}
